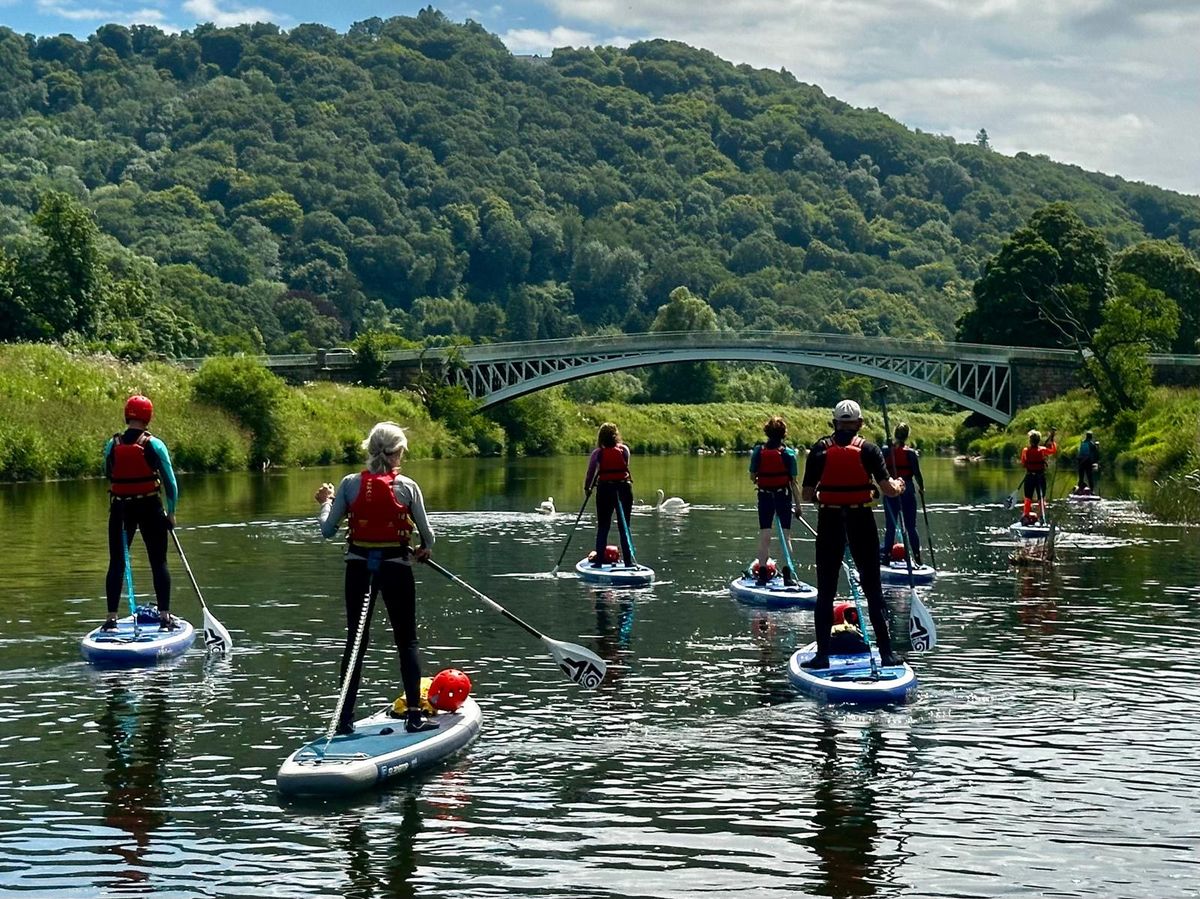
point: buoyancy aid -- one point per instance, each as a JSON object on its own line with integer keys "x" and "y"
{"x": 377, "y": 518}
{"x": 130, "y": 474}
{"x": 844, "y": 479}
{"x": 899, "y": 461}
{"x": 613, "y": 465}
{"x": 1033, "y": 458}
{"x": 772, "y": 473}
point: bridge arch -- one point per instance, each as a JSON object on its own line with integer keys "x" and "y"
{"x": 552, "y": 378}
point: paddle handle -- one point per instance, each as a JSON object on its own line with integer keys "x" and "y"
{"x": 491, "y": 603}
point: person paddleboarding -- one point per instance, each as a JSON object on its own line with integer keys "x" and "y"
{"x": 1033, "y": 460}
{"x": 384, "y": 508}
{"x": 903, "y": 462}
{"x": 608, "y": 469}
{"x": 773, "y": 470}
{"x": 1089, "y": 464}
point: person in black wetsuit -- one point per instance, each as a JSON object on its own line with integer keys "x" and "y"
{"x": 608, "y": 471}
{"x": 143, "y": 495}
{"x": 838, "y": 475}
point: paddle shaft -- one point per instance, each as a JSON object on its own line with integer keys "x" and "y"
{"x": 628, "y": 533}
{"x": 928, "y": 531}
{"x": 125, "y": 538}
{"x": 587, "y": 495}
{"x": 491, "y": 603}
{"x": 787, "y": 553}
{"x": 188, "y": 569}
{"x": 363, "y": 617}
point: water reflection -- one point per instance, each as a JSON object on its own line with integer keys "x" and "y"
{"x": 138, "y": 733}
{"x": 846, "y": 817}
{"x": 614, "y": 630}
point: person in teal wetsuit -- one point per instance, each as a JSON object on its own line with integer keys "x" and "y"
{"x": 143, "y": 496}
{"x": 1089, "y": 462}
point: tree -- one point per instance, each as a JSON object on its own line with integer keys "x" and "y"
{"x": 981, "y": 139}
{"x": 67, "y": 274}
{"x": 1046, "y": 286}
{"x": 684, "y": 382}
{"x": 1165, "y": 265}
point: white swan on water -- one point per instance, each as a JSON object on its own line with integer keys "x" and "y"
{"x": 546, "y": 507}
{"x": 670, "y": 503}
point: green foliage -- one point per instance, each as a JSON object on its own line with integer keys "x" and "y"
{"x": 534, "y": 424}
{"x": 1168, "y": 267}
{"x": 253, "y": 396}
{"x": 460, "y": 413}
{"x": 684, "y": 382}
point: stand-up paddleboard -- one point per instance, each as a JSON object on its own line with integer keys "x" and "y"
{"x": 1030, "y": 531}
{"x": 773, "y": 594}
{"x": 378, "y": 750}
{"x": 616, "y": 575}
{"x": 1083, "y": 497}
{"x": 849, "y": 678}
{"x": 896, "y": 574}
{"x": 141, "y": 645}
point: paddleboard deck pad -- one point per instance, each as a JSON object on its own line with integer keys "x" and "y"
{"x": 616, "y": 575}
{"x": 896, "y": 574}
{"x": 379, "y": 750}
{"x": 773, "y": 595}
{"x": 143, "y": 644}
{"x": 849, "y": 678}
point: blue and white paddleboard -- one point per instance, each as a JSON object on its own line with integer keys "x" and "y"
{"x": 378, "y": 750}
{"x": 849, "y": 678}
{"x": 143, "y": 645}
{"x": 896, "y": 574}
{"x": 773, "y": 595}
{"x": 618, "y": 575}
{"x": 1083, "y": 497}
{"x": 1029, "y": 531}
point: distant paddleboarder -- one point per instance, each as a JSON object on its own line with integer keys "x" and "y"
{"x": 1089, "y": 462}
{"x": 903, "y": 462}
{"x": 840, "y": 474}
{"x": 773, "y": 470}
{"x": 1033, "y": 460}
{"x": 608, "y": 469}
{"x": 384, "y": 507}
{"x": 143, "y": 494}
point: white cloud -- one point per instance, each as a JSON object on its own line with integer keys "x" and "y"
{"x": 211, "y": 11}
{"x": 1105, "y": 84}
{"x": 533, "y": 40}
{"x": 73, "y": 13}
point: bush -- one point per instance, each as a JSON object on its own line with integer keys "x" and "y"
{"x": 252, "y": 395}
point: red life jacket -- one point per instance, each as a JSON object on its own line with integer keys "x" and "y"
{"x": 377, "y": 518}
{"x": 1034, "y": 457}
{"x": 613, "y": 464}
{"x": 772, "y": 473}
{"x": 844, "y": 479}
{"x": 899, "y": 461}
{"x": 130, "y": 473}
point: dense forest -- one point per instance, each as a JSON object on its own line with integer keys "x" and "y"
{"x": 251, "y": 189}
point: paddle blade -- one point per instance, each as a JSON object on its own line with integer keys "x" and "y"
{"x": 216, "y": 637}
{"x": 581, "y": 665}
{"x": 922, "y": 632}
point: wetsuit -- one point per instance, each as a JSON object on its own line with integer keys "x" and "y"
{"x": 608, "y": 468}
{"x": 385, "y": 571}
{"x": 1033, "y": 460}
{"x": 1089, "y": 456}
{"x": 141, "y": 478}
{"x": 775, "y": 468}
{"x": 902, "y": 462}
{"x": 844, "y": 516}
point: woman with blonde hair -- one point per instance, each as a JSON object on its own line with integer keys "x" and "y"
{"x": 383, "y": 507}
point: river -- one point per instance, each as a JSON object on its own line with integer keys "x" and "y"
{"x": 1051, "y": 749}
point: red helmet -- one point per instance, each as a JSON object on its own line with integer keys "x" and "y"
{"x": 897, "y": 552}
{"x": 139, "y": 407}
{"x": 449, "y": 690}
{"x": 845, "y": 612}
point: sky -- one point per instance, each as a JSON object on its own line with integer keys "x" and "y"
{"x": 1109, "y": 85}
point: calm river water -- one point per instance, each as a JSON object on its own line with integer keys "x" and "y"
{"x": 1052, "y": 749}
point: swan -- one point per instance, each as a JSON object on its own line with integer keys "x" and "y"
{"x": 546, "y": 507}
{"x": 670, "y": 503}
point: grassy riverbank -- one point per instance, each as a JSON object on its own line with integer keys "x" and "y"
{"x": 58, "y": 408}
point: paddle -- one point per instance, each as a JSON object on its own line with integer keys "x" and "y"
{"x": 632, "y": 561}
{"x": 581, "y": 665}
{"x": 587, "y": 494}
{"x": 928, "y": 532}
{"x": 363, "y": 617}
{"x": 216, "y": 637}
{"x": 921, "y": 629}
{"x": 125, "y": 539}
{"x": 787, "y": 553}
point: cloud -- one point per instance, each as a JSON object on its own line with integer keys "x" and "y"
{"x": 1106, "y": 84}
{"x": 533, "y": 40}
{"x": 211, "y": 11}
{"x": 71, "y": 12}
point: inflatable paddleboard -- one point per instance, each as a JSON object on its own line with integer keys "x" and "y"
{"x": 896, "y": 574}
{"x": 379, "y": 749}
{"x": 849, "y": 678}
{"x": 616, "y": 575}
{"x": 773, "y": 595}
{"x": 141, "y": 645}
{"x": 1084, "y": 497}
{"x": 1030, "y": 531}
